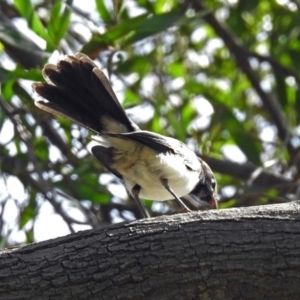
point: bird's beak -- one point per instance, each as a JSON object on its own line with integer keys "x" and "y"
{"x": 213, "y": 202}
{"x": 195, "y": 203}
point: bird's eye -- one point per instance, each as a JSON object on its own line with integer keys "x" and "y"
{"x": 213, "y": 184}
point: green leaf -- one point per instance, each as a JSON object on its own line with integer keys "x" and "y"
{"x": 20, "y": 73}
{"x": 138, "y": 64}
{"x": 41, "y": 149}
{"x": 247, "y": 145}
{"x": 188, "y": 112}
{"x": 111, "y": 37}
{"x": 131, "y": 98}
{"x": 193, "y": 87}
{"x": 87, "y": 187}
{"x": 156, "y": 123}
{"x": 27, "y": 214}
{"x": 59, "y": 22}
{"x": 281, "y": 89}
{"x": 243, "y": 140}
{"x": 7, "y": 89}
{"x": 247, "y": 6}
{"x": 176, "y": 69}
{"x": 26, "y": 9}
{"x": 227, "y": 204}
{"x": 153, "y": 25}
{"x": 29, "y": 236}
{"x": 103, "y": 11}
{"x": 132, "y": 30}
{"x": 162, "y": 6}
{"x": 176, "y": 125}
{"x": 4, "y": 75}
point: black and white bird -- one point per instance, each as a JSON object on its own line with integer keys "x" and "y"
{"x": 152, "y": 166}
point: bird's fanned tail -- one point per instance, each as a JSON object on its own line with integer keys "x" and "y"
{"x": 78, "y": 90}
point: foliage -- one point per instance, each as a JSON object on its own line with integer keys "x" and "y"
{"x": 221, "y": 76}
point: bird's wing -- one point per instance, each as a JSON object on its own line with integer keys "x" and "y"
{"x": 105, "y": 155}
{"x": 149, "y": 139}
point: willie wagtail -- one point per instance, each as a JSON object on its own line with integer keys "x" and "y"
{"x": 152, "y": 166}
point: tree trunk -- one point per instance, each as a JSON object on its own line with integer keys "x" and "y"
{"x": 245, "y": 253}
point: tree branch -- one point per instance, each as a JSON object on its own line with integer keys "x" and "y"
{"x": 245, "y": 171}
{"x": 279, "y": 68}
{"x": 236, "y": 253}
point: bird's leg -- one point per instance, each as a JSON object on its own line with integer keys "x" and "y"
{"x": 164, "y": 182}
{"x": 135, "y": 195}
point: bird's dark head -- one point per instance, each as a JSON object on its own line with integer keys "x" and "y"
{"x": 204, "y": 195}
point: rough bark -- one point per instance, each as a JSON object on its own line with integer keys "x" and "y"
{"x": 247, "y": 253}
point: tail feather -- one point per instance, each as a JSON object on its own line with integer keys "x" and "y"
{"x": 58, "y": 107}
{"x": 78, "y": 90}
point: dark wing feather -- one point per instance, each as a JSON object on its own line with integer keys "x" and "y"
{"x": 149, "y": 139}
{"x": 105, "y": 155}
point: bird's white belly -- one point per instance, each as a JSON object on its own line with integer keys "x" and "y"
{"x": 147, "y": 175}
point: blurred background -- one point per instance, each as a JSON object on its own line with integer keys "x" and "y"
{"x": 221, "y": 76}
